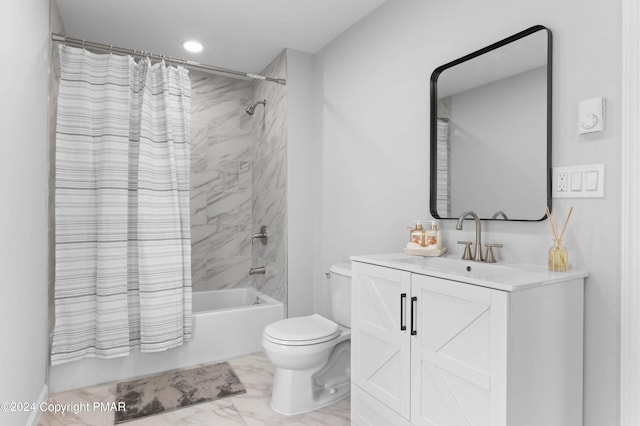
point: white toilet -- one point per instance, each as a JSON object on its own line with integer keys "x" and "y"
{"x": 311, "y": 354}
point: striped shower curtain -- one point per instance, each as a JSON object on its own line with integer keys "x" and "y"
{"x": 122, "y": 224}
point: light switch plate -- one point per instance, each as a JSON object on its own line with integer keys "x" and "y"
{"x": 591, "y": 116}
{"x": 576, "y": 181}
{"x": 585, "y": 181}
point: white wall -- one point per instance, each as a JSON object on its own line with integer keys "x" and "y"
{"x": 24, "y": 29}
{"x": 301, "y": 200}
{"x": 371, "y": 139}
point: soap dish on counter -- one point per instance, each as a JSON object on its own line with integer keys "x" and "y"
{"x": 425, "y": 252}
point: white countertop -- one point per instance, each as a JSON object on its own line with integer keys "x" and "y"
{"x": 500, "y": 276}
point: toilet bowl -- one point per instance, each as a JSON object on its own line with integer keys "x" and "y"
{"x": 311, "y": 354}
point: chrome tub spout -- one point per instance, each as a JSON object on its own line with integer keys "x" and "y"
{"x": 257, "y": 270}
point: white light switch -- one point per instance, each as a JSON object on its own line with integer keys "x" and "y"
{"x": 576, "y": 181}
{"x": 591, "y": 181}
{"x": 591, "y": 116}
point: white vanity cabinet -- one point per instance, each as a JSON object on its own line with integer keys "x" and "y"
{"x": 380, "y": 344}
{"x": 428, "y": 350}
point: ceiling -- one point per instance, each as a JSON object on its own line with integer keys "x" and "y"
{"x": 245, "y": 35}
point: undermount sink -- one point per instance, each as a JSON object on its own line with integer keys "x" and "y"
{"x": 503, "y": 276}
{"x": 466, "y": 268}
{"x": 454, "y": 264}
{"x": 432, "y": 261}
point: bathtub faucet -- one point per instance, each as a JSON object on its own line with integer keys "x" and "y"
{"x": 262, "y": 235}
{"x": 257, "y": 270}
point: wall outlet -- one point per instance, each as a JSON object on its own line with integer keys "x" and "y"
{"x": 562, "y": 181}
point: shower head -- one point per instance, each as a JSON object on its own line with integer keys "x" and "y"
{"x": 251, "y": 109}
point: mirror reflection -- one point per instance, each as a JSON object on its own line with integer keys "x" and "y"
{"x": 491, "y": 130}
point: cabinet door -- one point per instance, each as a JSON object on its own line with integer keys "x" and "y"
{"x": 368, "y": 411}
{"x": 380, "y": 352}
{"x": 458, "y": 354}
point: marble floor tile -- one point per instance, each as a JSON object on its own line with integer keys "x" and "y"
{"x": 79, "y": 407}
{"x": 258, "y": 411}
{"x": 249, "y": 409}
{"x": 256, "y": 374}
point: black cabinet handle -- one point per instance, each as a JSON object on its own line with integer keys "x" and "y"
{"x": 403, "y": 317}
{"x": 414, "y": 311}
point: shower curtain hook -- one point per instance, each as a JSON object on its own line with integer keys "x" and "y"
{"x": 111, "y": 49}
{"x": 83, "y": 48}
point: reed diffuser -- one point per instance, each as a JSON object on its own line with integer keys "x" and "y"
{"x": 558, "y": 257}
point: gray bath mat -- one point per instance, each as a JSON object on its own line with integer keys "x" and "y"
{"x": 176, "y": 389}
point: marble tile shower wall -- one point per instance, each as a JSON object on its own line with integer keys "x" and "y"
{"x": 221, "y": 177}
{"x": 238, "y": 182}
{"x": 269, "y": 206}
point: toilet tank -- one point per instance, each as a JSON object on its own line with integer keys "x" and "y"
{"x": 341, "y": 293}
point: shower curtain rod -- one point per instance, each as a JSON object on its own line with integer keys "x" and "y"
{"x": 141, "y": 54}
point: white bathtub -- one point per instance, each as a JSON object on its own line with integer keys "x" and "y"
{"x": 226, "y": 323}
{"x": 237, "y": 298}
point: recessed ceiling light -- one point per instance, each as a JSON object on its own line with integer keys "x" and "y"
{"x": 192, "y": 46}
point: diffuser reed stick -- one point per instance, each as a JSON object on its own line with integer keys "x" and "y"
{"x": 558, "y": 260}
{"x": 553, "y": 228}
{"x": 564, "y": 228}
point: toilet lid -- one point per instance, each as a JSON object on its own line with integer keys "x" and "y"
{"x": 307, "y": 330}
{"x": 341, "y": 269}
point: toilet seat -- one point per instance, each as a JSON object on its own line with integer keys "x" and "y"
{"x": 302, "y": 331}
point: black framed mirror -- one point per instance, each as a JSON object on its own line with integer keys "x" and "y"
{"x": 491, "y": 131}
